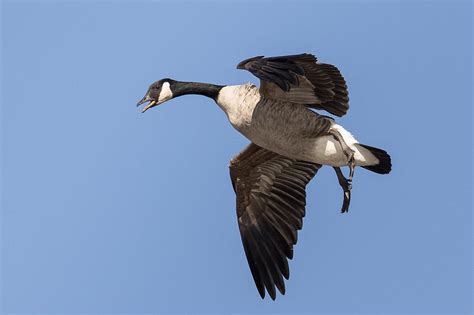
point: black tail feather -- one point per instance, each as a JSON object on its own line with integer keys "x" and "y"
{"x": 385, "y": 163}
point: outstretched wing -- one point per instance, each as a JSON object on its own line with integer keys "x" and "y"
{"x": 300, "y": 79}
{"x": 271, "y": 199}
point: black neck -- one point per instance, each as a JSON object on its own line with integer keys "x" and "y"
{"x": 206, "y": 89}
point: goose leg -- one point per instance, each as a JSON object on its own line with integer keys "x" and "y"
{"x": 347, "y": 151}
{"x": 346, "y": 187}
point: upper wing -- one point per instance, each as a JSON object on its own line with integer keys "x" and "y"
{"x": 271, "y": 199}
{"x": 300, "y": 79}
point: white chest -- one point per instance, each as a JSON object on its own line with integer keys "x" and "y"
{"x": 238, "y": 102}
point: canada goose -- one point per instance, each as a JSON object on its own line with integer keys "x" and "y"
{"x": 289, "y": 143}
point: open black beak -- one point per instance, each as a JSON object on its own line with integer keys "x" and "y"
{"x": 144, "y": 100}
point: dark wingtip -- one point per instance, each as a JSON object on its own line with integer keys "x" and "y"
{"x": 272, "y": 292}
{"x": 241, "y": 65}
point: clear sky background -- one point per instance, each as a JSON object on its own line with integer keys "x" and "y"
{"x": 107, "y": 210}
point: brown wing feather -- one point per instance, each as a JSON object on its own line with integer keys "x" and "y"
{"x": 271, "y": 199}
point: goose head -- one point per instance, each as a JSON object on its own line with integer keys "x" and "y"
{"x": 158, "y": 93}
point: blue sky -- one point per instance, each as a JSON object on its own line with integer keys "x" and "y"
{"x": 107, "y": 210}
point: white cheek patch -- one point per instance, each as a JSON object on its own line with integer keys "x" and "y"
{"x": 165, "y": 93}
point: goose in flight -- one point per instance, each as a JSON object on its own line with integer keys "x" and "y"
{"x": 289, "y": 143}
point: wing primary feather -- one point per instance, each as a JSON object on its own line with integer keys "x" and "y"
{"x": 270, "y": 199}
{"x": 302, "y": 80}
{"x": 262, "y": 263}
{"x": 253, "y": 267}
